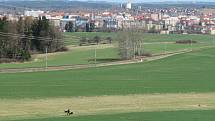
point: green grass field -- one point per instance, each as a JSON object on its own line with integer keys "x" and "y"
{"x": 76, "y": 55}
{"x": 159, "y": 48}
{"x": 149, "y": 116}
{"x": 185, "y": 73}
{"x": 73, "y": 38}
{"x": 86, "y": 55}
{"x": 191, "y": 72}
{"x": 70, "y": 40}
{"x": 177, "y": 88}
{"x": 82, "y": 55}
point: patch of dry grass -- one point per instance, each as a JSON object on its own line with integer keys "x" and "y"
{"x": 54, "y": 107}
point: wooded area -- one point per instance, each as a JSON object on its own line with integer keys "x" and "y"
{"x": 18, "y": 39}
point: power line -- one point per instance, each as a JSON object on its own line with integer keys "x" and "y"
{"x": 34, "y": 37}
{"x": 27, "y": 37}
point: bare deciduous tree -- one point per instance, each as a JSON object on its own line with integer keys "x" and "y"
{"x": 130, "y": 44}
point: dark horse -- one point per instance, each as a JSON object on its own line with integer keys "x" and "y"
{"x": 68, "y": 112}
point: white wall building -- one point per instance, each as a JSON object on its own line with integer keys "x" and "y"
{"x": 128, "y": 5}
{"x": 33, "y": 13}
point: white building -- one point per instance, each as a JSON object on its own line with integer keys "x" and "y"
{"x": 171, "y": 21}
{"x": 128, "y": 5}
{"x": 33, "y": 13}
{"x": 155, "y": 17}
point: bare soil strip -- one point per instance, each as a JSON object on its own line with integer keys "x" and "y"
{"x": 54, "y": 107}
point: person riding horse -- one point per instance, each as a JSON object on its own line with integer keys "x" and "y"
{"x": 68, "y": 112}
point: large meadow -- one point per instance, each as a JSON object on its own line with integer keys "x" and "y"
{"x": 179, "y": 87}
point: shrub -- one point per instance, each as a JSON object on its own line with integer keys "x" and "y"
{"x": 185, "y": 41}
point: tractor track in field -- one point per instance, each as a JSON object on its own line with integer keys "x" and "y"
{"x": 124, "y": 62}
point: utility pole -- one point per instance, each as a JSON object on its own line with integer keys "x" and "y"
{"x": 134, "y": 51}
{"x": 191, "y": 43}
{"x": 46, "y": 57}
{"x": 95, "y": 54}
{"x": 165, "y": 48}
{"x": 212, "y": 40}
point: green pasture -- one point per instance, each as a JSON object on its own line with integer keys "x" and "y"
{"x": 190, "y": 72}
{"x": 176, "y": 37}
{"x": 72, "y": 38}
{"x": 202, "y": 115}
{"x": 104, "y": 53}
{"x": 155, "y": 44}
{"x": 159, "y": 48}
{"x": 76, "y": 55}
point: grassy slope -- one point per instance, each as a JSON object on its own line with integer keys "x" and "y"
{"x": 175, "y": 37}
{"x": 157, "y": 48}
{"x": 74, "y": 56}
{"x": 191, "y": 72}
{"x": 81, "y": 56}
{"x": 70, "y": 40}
{"x": 146, "y": 37}
{"x": 147, "y": 116}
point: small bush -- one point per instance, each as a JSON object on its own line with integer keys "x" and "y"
{"x": 185, "y": 41}
{"x": 109, "y": 39}
{"x": 24, "y": 55}
{"x": 7, "y": 60}
{"x": 62, "y": 49}
{"x": 146, "y": 54}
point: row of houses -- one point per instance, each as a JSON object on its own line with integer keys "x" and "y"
{"x": 155, "y": 22}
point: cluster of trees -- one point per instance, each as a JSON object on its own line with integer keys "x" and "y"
{"x": 95, "y": 40}
{"x": 130, "y": 44}
{"x": 89, "y": 27}
{"x": 18, "y": 39}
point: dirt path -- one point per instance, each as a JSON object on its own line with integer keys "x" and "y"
{"x": 54, "y": 107}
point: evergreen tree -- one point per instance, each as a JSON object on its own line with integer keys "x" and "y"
{"x": 87, "y": 27}
{"x": 92, "y": 27}
{"x": 69, "y": 27}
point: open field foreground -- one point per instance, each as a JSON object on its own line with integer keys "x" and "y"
{"x": 54, "y": 107}
{"x": 107, "y": 60}
{"x": 170, "y": 86}
{"x": 196, "y": 115}
{"x": 189, "y": 72}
